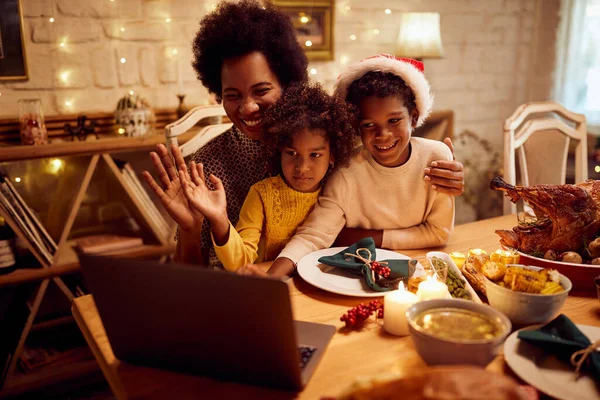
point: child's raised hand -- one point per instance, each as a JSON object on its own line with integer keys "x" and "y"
{"x": 211, "y": 203}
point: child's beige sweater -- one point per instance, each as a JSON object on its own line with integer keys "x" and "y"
{"x": 367, "y": 195}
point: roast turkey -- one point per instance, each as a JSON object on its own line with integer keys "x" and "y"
{"x": 568, "y": 216}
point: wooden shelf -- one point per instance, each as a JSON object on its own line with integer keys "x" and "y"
{"x": 24, "y": 382}
{"x": 68, "y": 263}
{"x": 86, "y": 183}
{"x": 89, "y": 146}
{"x": 37, "y": 326}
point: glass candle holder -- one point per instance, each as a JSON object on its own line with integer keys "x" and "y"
{"x": 31, "y": 118}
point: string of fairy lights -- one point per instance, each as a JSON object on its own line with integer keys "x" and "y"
{"x": 65, "y": 75}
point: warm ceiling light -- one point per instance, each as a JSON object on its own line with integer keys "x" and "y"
{"x": 304, "y": 19}
{"x": 123, "y": 60}
{"x": 17, "y": 179}
{"x": 51, "y": 19}
{"x": 308, "y": 43}
{"x": 419, "y": 36}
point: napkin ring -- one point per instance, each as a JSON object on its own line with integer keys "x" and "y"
{"x": 580, "y": 356}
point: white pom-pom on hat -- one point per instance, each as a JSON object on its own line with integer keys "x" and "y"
{"x": 411, "y": 71}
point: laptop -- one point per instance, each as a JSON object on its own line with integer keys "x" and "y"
{"x": 200, "y": 321}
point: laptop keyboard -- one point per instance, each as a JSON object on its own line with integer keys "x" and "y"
{"x": 305, "y": 355}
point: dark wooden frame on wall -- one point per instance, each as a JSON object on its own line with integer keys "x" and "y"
{"x": 326, "y": 8}
{"x": 13, "y": 59}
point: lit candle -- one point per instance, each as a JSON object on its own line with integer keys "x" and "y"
{"x": 430, "y": 289}
{"x": 505, "y": 256}
{"x": 395, "y": 305}
{"x": 458, "y": 258}
{"x": 476, "y": 252}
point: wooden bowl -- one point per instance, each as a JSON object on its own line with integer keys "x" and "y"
{"x": 581, "y": 275}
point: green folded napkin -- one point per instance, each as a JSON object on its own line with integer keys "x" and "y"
{"x": 365, "y": 249}
{"x": 562, "y": 338}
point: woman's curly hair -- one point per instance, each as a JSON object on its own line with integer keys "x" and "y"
{"x": 237, "y": 29}
{"x": 308, "y": 106}
{"x": 380, "y": 84}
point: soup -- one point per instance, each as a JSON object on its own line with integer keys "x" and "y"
{"x": 458, "y": 325}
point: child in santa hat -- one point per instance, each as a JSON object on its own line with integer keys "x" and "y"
{"x": 382, "y": 193}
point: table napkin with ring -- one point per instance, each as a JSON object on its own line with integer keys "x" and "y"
{"x": 360, "y": 260}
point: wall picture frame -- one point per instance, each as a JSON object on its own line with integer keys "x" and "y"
{"x": 13, "y": 59}
{"x": 314, "y": 23}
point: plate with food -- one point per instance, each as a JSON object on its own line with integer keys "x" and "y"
{"x": 458, "y": 286}
{"x": 338, "y": 280}
{"x": 545, "y": 372}
{"x": 564, "y": 232}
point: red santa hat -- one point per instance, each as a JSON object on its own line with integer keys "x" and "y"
{"x": 411, "y": 71}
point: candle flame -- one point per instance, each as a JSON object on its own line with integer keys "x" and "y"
{"x": 401, "y": 286}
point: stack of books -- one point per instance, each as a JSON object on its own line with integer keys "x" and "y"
{"x": 158, "y": 222}
{"x": 27, "y": 222}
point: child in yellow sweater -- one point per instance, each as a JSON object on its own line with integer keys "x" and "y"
{"x": 306, "y": 131}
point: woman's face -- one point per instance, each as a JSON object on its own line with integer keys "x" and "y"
{"x": 249, "y": 88}
{"x": 306, "y": 159}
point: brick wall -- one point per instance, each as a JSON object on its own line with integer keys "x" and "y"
{"x": 487, "y": 70}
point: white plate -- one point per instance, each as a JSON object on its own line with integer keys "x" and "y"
{"x": 446, "y": 257}
{"x": 545, "y": 372}
{"x": 337, "y": 280}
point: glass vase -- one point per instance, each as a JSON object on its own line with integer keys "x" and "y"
{"x": 31, "y": 117}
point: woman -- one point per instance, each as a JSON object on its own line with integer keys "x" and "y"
{"x": 246, "y": 54}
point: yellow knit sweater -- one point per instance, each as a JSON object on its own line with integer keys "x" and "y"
{"x": 268, "y": 219}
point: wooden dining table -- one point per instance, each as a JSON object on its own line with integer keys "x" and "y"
{"x": 351, "y": 355}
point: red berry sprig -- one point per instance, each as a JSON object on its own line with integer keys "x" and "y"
{"x": 380, "y": 269}
{"x": 356, "y": 316}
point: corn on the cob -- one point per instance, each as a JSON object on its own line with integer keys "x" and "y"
{"x": 552, "y": 288}
{"x": 525, "y": 280}
{"x": 494, "y": 270}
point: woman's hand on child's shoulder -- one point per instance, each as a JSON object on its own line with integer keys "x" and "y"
{"x": 446, "y": 177}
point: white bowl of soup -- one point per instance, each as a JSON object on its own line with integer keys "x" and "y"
{"x": 454, "y": 331}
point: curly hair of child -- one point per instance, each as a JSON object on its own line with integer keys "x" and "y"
{"x": 309, "y": 106}
{"x": 237, "y": 29}
{"x": 380, "y": 84}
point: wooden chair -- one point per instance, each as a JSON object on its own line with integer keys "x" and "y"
{"x": 542, "y": 146}
{"x": 438, "y": 126}
{"x": 187, "y": 123}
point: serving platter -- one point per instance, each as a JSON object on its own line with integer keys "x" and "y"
{"x": 445, "y": 257}
{"x": 581, "y": 275}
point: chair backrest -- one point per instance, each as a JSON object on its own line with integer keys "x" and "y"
{"x": 202, "y": 136}
{"x": 542, "y": 145}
